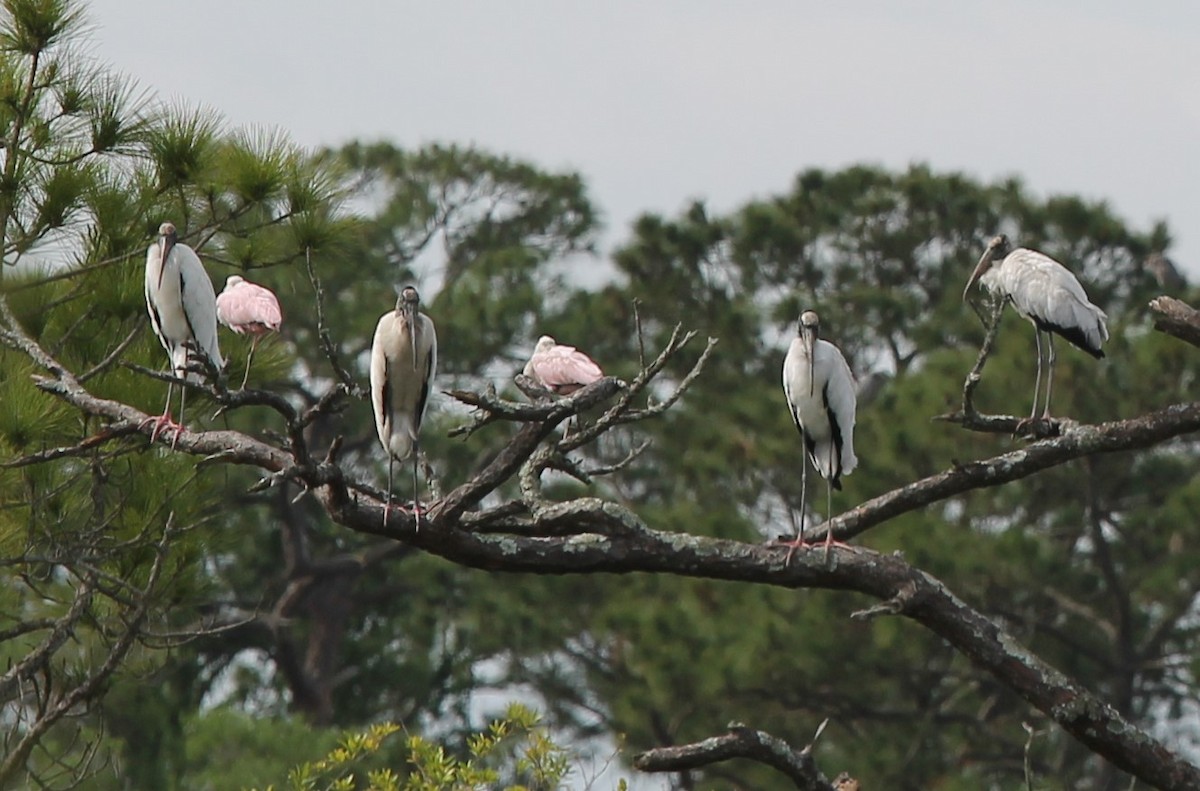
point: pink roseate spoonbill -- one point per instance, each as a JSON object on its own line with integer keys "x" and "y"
{"x": 561, "y": 369}
{"x": 820, "y": 393}
{"x": 403, "y": 364}
{"x": 1045, "y": 292}
{"x": 183, "y": 313}
{"x": 248, "y": 308}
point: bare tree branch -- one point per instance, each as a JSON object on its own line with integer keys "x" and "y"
{"x": 1176, "y": 318}
{"x": 1077, "y": 441}
{"x": 352, "y": 387}
{"x": 740, "y": 742}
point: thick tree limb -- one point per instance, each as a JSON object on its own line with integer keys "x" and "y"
{"x": 1176, "y": 318}
{"x": 739, "y": 742}
{"x": 1077, "y": 441}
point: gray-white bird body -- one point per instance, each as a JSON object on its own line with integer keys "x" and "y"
{"x": 183, "y": 312}
{"x": 820, "y": 392}
{"x": 403, "y": 364}
{"x": 1046, "y": 293}
{"x": 181, "y": 301}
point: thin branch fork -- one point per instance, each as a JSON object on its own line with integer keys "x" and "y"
{"x": 740, "y": 742}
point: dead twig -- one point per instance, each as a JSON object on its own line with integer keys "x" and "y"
{"x": 352, "y": 387}
{"x": 741, "y": 742}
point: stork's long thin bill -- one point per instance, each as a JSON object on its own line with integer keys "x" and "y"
{"x": 984, "y": 262}
{"x": 166, "y": 243}
{"x": 809, "y": 337}
{"x": 410, "y": 327}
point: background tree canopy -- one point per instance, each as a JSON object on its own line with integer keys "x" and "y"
{"x": 169, "y": 620}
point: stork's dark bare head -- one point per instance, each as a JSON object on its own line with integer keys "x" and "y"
{"x": 409, "y": 299}
{"x": 998, "y": 246}
{"x": 810, "y": 321}
{"x": 167, "y": 229}
{"x": 997, "y": 249}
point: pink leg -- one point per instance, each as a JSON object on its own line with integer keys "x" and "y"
{"x": 163, "y": 421}
{"x": 162, "y": 424}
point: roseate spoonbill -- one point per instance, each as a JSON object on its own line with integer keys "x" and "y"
{"x": 561, "y": 369}
{"x": 246, "y": 307}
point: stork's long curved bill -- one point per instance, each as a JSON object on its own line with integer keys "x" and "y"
{"x": 985, "y": 263}
{"x": 410, "y": 327}
{"x": 808, "y": 337}
{"x": 166, "y": 243}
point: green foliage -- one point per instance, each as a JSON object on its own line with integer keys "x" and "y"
{"x": 513, "y": 753}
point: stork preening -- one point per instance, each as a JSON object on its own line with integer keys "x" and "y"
{"x": 820, "y": 394}
{"x": 403, "y": 364}
{"x": 1045, "y": 292}
{"x": 561, "y": 369}
{"x": 248, "y": 308}
{"x": 183, "y": 312}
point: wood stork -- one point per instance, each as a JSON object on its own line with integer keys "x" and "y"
{"x": 183, "y": 313}
{"x": 1045, "y": 292}
{"x": 561, "y": 369}
{"x": 248, "y": 308}
{"x": 403, "y": 364}
{"x": 820, "y": 394}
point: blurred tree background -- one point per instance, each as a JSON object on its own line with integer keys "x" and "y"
{"x": 267, "y": 628}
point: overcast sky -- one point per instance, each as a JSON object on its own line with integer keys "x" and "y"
{"x": 659, "y": 103}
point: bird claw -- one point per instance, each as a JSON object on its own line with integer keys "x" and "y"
{"x": 162, "y": 423}
{"x": 1037, "y": 427}
{"x": 798, "y": 543}
{"x": 418, "y": 511}
{"x": 387, "y": 511}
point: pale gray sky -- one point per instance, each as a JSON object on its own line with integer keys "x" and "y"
{"x": 658, "y": 103}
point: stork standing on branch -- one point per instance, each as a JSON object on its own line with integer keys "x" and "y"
{"x": 246, "y": 307}
{"x": 183, "y": 312}
{"x": 820, "y": 394}
{"x": 403, "y": 364}
{"x": 1045, "y": 292}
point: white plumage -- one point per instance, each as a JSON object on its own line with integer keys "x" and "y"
{"x": 820, "y": 392}
{"x": 183, "y": 311}
{"x": 403, "y": 364}
{"x": 1046, "y": 293}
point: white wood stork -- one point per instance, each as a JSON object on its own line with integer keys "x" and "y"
{"x": 820, "y": 394}
{"x": 183, "y": 313}
{"x": 1045, "y": 292}
{"x": 403, "y": 364}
